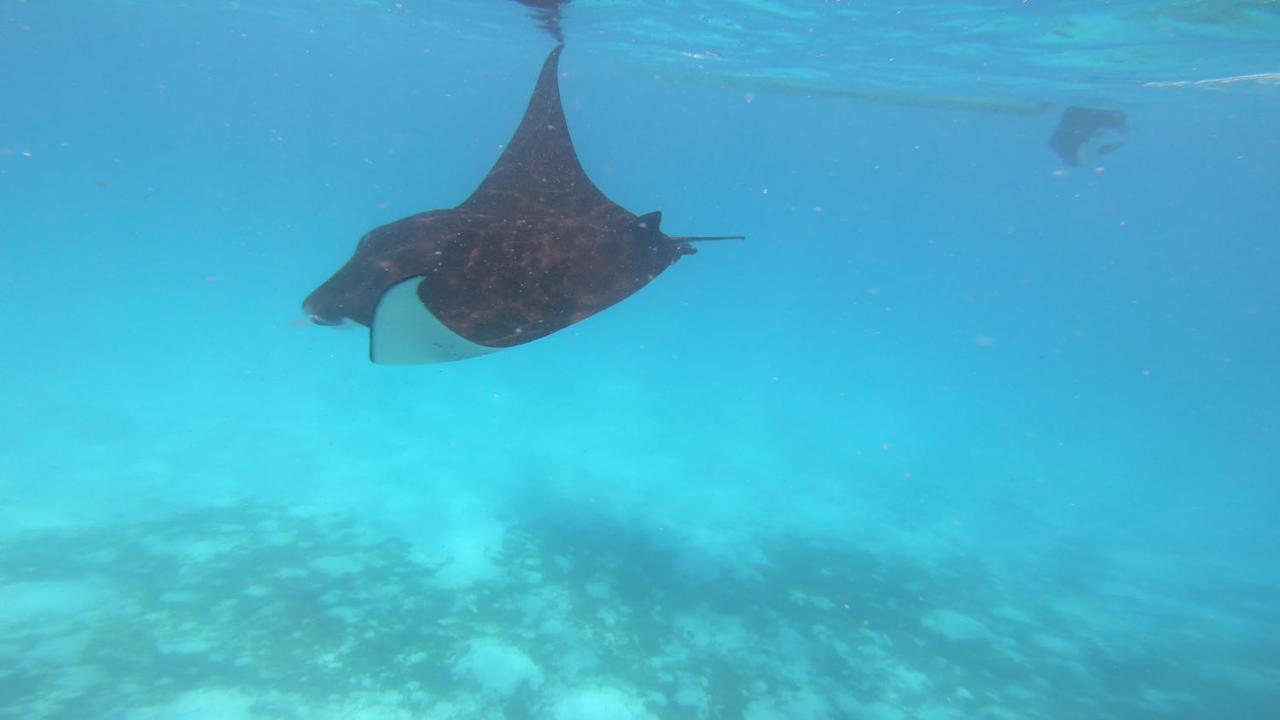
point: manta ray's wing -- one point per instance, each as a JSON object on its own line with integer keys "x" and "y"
{"x": 539, "y": 170}
{"x": 536, "y": 248}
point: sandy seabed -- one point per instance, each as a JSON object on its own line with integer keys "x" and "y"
{"x": 254, "y": 612}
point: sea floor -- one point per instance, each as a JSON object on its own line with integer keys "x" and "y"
{"x": 250, "y": 611}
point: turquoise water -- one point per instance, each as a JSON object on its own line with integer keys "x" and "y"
{"x": 958, "y": 432}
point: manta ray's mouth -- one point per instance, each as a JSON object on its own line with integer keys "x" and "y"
{"x": 327, "y": 321}
{"x": 323, "y": 307}
{"x": 329, "y": 317}
{"x": 337, "y": 323}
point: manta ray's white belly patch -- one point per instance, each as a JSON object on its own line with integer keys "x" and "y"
{"x": 404, "y": 332}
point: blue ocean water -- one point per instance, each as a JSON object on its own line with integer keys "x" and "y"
{"x": 960, "y": 431}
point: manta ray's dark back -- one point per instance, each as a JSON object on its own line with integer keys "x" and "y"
{"x": 535, "y": 248}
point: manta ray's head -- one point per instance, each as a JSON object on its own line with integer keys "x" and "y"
{"x": 327, "y": 304}
{"x": 322, "y": 314}
{"x": 341, "y": 299}
{"x": 385, "y": 256}
{"x": 324, "y": 306}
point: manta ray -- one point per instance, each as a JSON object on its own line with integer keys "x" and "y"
{"x": 535, "y": 248}
{"x": 1084, "y": 135}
